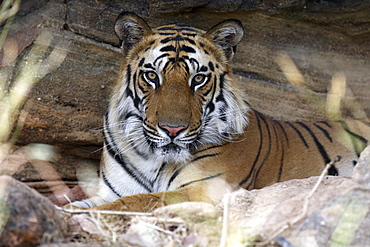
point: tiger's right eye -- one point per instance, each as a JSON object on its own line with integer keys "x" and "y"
{"x": 152, "y": 78}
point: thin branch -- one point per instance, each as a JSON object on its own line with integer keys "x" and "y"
{"x": 108, "y": 212}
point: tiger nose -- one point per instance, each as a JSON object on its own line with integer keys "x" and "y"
{"x": 172, "y": 131}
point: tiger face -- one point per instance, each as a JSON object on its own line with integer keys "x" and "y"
{"x": 176, "y": 91}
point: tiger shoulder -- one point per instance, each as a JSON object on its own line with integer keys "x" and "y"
{"x": 179, "y": 127}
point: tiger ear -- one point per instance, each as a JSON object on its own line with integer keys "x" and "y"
{"x": 226, "y": 35}
{"x": 130, "y": 29}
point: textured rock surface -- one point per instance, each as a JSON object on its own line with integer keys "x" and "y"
{"x": 65, "y": 108}
{"x": 26, "y": 217}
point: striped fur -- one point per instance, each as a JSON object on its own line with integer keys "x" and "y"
{"x": 179, "y": 128}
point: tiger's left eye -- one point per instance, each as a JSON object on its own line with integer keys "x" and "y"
{"x": 151, "y": 76}
{"x": 198, "y": 80}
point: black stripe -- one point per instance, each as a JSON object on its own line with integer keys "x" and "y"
{"x": 168, "y": 48}
{"x": 109, "y": 184}
{"x": 187, "y": 49}
{"x": 141, "y": 62}
{"x": 189, "y": 34}
{"x": 222, "y": 113}
{"x": 267, "y": 154}
{"x": 177, "y": 39}
{"x": 353, "y": 136}
{"x": 281, "y": 144}
{"x": 166, "y": 65}
{"x": 160, "y": 171}
{"x": 143, "y": 90}
{"x": 283, "y": 130}
{"x": 160, "y": 57}
{"x": 211, "y": 67}
{"x": 211, "y": 105}
{"x": 324, "y": 122}
{"x": 299, "y": 133}
{"x": 132, "y": 114}
{"x": 220, "y": 97}
{"x": 333, "y": 171}
{"x": 199, "y": 180}
{"x": 203, "y": 69}
{"x": 112, "y": 150}
{"x": 257, "y": 156}
{"x": 149, "y": 66}
{"x": 317, "y": 142}
{"x": 136, "y": 99}
{"x": 174, "y": 175}
{"x": 222, "y": 80}
{"x": 194, "y": 61}
{"x": 128, "y": 75}
{"x": 209, "y": 148}
{"x": 167, "y": 34}
{"x": 119, "y": 160}
{"x": 204, "y": 156}
{"x": 326, "y": 133}
{"x": 185, "y": 65}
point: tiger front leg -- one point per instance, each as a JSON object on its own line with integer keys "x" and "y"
{"x": 151, "y": 201}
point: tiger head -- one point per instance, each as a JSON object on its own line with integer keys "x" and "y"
{"x": 176, "y": 91}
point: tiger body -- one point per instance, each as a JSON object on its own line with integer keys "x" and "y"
{"x": 178, "y": 128}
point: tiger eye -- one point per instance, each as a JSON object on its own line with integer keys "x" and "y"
{"x": 198, "y": 78}
{"x": 151, "y": 75}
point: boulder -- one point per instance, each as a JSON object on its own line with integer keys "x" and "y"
{"x": 26, "y": 217}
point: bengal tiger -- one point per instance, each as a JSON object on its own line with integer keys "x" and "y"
{"x": 178, "y": 127}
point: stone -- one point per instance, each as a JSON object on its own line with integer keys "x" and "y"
{"x": 26, "y": 217}
{"x": 361, "y": 173}
{"x": 269, "y": 209}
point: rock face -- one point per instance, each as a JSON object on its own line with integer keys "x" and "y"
{"x": 65, "y": 108}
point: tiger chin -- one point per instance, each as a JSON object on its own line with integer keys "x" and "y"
{"x": 178, "y": 127}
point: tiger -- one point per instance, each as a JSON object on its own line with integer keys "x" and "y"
{"x": 179, "y": 127}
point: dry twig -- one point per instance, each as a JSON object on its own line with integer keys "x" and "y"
{"x": 108, "y": 212}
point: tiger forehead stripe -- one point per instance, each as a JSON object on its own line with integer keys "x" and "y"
{"x": 178, "y": 32}
{"x": 177, "y": 38}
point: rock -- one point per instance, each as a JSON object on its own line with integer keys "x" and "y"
{"x": 361, "y": 173}
{"x": 140, "y": 234}
{"x": 26, "y": 217}
{"x": 265, "y": 211}
{"x": 345, "y": 220}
